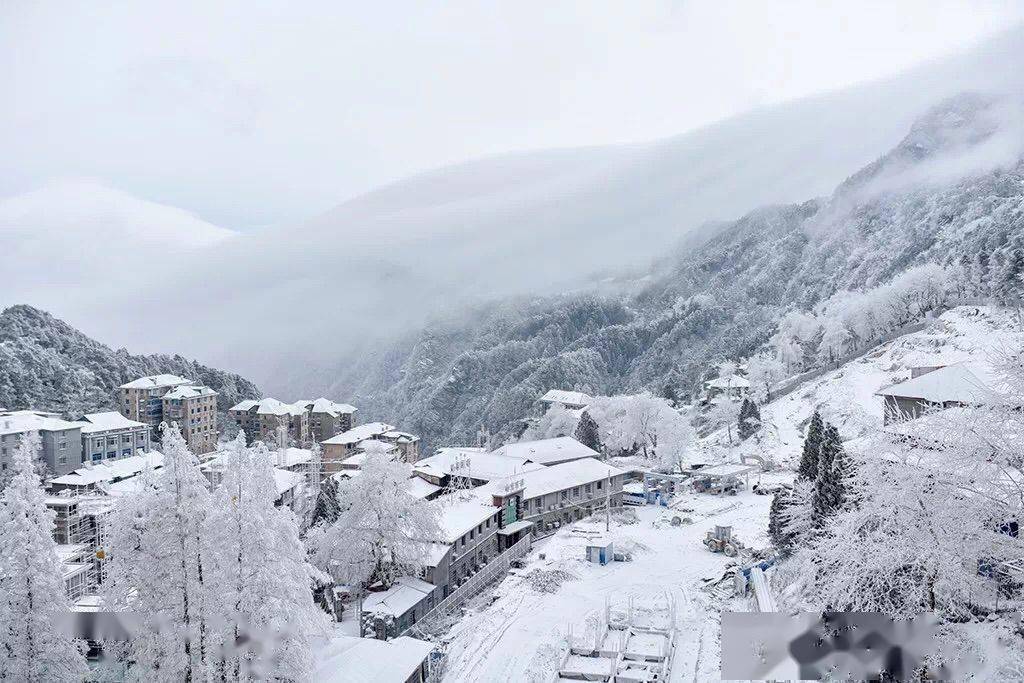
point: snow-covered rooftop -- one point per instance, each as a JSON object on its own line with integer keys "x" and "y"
{"x": 347, "y": 659}
{"x": 286, "y": 480}
{"x": 156, "y": 382}
{"x": 292, "y": 456}
{"x": 110, "y": 470}
{"x": 189, "y": 391}
{"x": 546, "y": 451}
{"x": 952, "y": 383}
{"x": 570, "y": 398}
{"x": 326, "y": 405}
{"x": 360, "y": 433}
{"x": 726, "y": 470}
{"x": 421, "y": 488}
{"x": 482, "y": 465}
{"x": 464, "y": 510}
{"x": 403, "y": 437}
{"x": 18, "y": 421}
{"x": 730, "y": 382}
{"x": 547, "y": 480}
{"x": 406, "y": 593}
{"x": 102, "y": 422}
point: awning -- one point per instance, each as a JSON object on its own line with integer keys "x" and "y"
{"x": 514, "y": 527}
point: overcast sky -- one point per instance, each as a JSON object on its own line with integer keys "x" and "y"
{"x": 252, "y": 113}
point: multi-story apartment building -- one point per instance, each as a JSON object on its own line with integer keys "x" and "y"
{"x": 194, "y": 409}
{"x": 142, "y": 399}
{"x": 327, "y": 418}
{"x": 110, "y": 436}
{"x": 80, "y": 529}
{"x": 263, "y": 420}
{"x": 307, "y": 421}
{"x": 342, "y": 446}
{"x": 60, "y": 440}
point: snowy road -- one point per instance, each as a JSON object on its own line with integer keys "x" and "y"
{"x": 521, "y": 635}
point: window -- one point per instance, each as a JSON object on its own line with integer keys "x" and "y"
{"x": 575, "y": 491}
{"x": 463, "y": 541}
{"x": 111, "y": 455}
{"x": 599, "y": 485}
{"x": 126, "y": 452}
{"x": 565, "y": 495}
{"x": 586, "y": 488}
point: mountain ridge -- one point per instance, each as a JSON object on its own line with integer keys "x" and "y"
{"x": 46, "y": 364}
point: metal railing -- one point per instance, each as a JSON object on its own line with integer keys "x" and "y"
{"x": 476, "y": 584}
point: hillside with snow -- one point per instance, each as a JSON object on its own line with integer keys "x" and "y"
{"x": 924, "y": 203}
{"x": 976, "y": 336}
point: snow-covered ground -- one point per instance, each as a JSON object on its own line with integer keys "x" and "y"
{"x": 518, "y": 631}
{"x": 521, "y": 634}
{"x": 846, "y": 396}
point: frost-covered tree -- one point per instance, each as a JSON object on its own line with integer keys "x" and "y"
{"x": 750, "y": 419}
{"x": 764, "y": 371}
{"x": 556, "y": 421}
{"x": 722, "y": 412}
{"x": 259, "y": 571}
{"x": 382, "y": 532}
{"x": 808, "y": 468}
{"x": 642, "y": 424}
{"x": 827, "y": 484}
{"x": 33, "y": 647}
{"x": 160, "y": 571}
{"x": 778, "y": 533}
{"x": 588, "y": 433}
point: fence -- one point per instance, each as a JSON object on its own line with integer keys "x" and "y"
{"x": 494, "y": 570}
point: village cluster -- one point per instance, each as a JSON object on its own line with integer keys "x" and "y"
{"x": 490, "y": 505}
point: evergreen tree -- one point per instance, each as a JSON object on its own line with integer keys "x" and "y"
{"x": 808, "y": 468}
{"x": 781, "y": 538}
{"x": 160, "y": 570}
{"x": 32, "y": 598}
{"x": 750, "y": 419}
{"x": 827, "y": 487}
{"x": 260, "y": 572}
{"x": 843, "y": 470}
{"x": 327, "y": 507}
{"x": 588, "y": 433}
{"x": 669, "y": 392}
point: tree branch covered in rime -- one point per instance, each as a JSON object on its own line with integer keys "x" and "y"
{"x": 924, "y": 507}
{"x": 160, "y": 570}
{"x": 33, "y": 648}
{"x": 852, "y": 320}
{"x": 261, "y": 581}
{"x": 642, "y": 424}
{"x": 556, "y": 421}
{"x": 382, "y": 531}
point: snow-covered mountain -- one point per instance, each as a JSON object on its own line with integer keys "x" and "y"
{"x": 45, "y": 364}
{"x": 725, "y": 298}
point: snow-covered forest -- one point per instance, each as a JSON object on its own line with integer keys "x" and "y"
{"x": 821, "y": 278}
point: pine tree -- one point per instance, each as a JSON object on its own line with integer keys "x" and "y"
{"x": 750, "y": 419}
{"x": 781, "y": 538}
{"x": 327, "y": 508}
{"x": 827, "y": 487}
{"x": 160, "y": 570}
{"x": 808, "y": 468}
{"x": 260, "y": 573}
{"x": 588, "y": 433}
{"x": 32, "y": 598}
{"x": 669, "y": 392}
{"x": 843, "y": 470}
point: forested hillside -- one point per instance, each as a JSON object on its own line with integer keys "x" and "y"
{"x": 940, "y": 197}
{"x": 45, "y": 364}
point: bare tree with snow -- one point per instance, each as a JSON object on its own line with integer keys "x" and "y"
{"x": 33, "y": 647}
